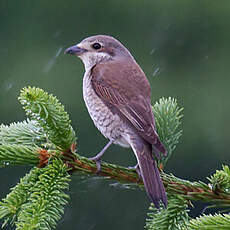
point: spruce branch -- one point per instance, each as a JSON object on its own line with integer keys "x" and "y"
{"x": 47, "y": 199}
{"x": 38, "y": 201}
{"x": 50, "y": 114}
{"x": 210, "y": 222}
{"x": 220, "y": 181}
{"x": 27, "y": 133}
{"x": 174, "y": 185}
{"x": 18, "y": 155}
{"x": 168, "y": 119}
{"x": 11, "y": 205}
{"x": 175, "y": 217}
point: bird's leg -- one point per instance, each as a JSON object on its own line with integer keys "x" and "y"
{"x": 137, "y": 169}
{"x": 97, "y": 158}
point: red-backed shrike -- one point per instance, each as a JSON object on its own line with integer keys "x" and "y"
{"x": 117, "y": 95}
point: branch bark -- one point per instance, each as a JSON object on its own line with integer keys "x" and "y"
{"x": 190, "y": 190}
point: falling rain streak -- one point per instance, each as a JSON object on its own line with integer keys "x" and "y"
{"x": 156, "y": 71}
{"x": 52, "y": 61}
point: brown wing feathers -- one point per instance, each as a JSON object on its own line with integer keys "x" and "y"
{"x": 133, "y": 104}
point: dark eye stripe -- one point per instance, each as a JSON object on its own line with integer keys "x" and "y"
{"x": 96, "y": 46}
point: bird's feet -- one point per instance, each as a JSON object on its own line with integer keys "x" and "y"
{"x": 97, "y": 160}
{"x": 137, "y": 169}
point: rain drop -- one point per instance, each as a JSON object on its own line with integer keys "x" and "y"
{"x": 52, "y": 61}
{"x": 157, "y": 71}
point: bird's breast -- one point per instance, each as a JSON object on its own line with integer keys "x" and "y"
{"x": 109, "y": 124}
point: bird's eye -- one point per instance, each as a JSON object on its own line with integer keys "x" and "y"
{"x": 96, "y": 46}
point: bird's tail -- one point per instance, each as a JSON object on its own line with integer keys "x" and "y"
{"x": 150, "y": 174}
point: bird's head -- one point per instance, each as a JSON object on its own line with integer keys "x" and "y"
{"x": 97, "y": 49}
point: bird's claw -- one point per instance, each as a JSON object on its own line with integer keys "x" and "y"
{"x": 137, "y": 169}
{"x": 97, "y": 160}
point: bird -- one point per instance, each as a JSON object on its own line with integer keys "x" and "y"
{"x": 117, "y": 95}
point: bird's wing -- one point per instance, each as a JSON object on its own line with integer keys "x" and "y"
{"x": 122, "y": 85}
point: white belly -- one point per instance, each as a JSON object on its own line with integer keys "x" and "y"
{"x": 109, "y": 124}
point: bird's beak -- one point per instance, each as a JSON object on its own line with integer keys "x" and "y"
{"x": 75, "y": 50}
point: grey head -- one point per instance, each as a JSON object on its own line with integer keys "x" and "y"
{"x": 99, "y": 48}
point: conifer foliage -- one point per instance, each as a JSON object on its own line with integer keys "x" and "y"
{"x": 46, "y": 140}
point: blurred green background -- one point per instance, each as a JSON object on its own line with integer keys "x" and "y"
{"x": 183, "y": 47}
